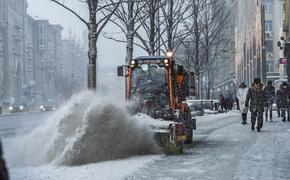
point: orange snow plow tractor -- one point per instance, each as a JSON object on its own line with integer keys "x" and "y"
{"x": 158, "y": 87}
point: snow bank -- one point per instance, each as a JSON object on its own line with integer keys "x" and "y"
{"x": 87, "y": 129}
{"x": 109, "y": 170}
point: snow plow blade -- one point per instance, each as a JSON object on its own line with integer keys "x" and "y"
{"x": 171, "y": 140}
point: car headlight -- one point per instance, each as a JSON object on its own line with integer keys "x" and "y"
{"x": 10, "y": 108}
{"x": 21, "y": 107}
{"x": 41, "y": 107}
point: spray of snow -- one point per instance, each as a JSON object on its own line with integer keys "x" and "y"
{"x": 87, "y": 129}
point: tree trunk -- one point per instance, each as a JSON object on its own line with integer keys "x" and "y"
{"x": 170, "y": 26}
{"x": 198, "y": 89}
{"x": 152, "y": 28}
{"x": 130, "y": 32}
{"x": 92, "y": 53}
{"x": 209, "y": 87}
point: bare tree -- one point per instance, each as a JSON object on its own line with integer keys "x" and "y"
{"x": 192, "y": 43}
{"x": 147, "y": 35}
{"x": 95, "y": 24}
{"x": 154, "y": 24}
{"x": 163, "y": 30}
{"x": 214, "y": 37}
{"x": 133, "y": 15}
{"x": 207, "y": 40}
{"x": 127, "y": 20}
{"x": 175, "y": 12}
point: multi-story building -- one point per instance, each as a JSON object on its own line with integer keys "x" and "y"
{"x": 73, "y": 67}
{"x": 32, "y": 61}
{"x": 249, "y": 41}
{"x": 12, "y": 18}
{"x": 225, "y": 76}
{"x": 2, "y": 36}
{"x": 274, "y": 20}
{"x": 243, "y": 60}
{"x": 47, "y": 54}
{"x": 29, "y": 78}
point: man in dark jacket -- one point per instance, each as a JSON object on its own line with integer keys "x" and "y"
{"x": 284, "y": 100}
{"x": 279, "y": 99}
{"x": 270, "y": 96}
{"x": 3, "y": 170}
{"x": 256, "y": 98}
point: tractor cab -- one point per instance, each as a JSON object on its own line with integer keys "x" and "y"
{"x": 158, "y": 87}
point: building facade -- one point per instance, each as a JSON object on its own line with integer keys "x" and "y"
{"x": 47, "y": 54}
{"x": 73, "y": 67}
{"x": 273, "y": 26}
{"x": 13, "y": 15}
{"x": 225, "y": 76}
{"x": 243, "y": 59}
{"x": 33, "y": 62}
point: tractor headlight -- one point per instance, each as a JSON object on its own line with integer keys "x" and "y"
{"x": 133, "y": 62}
{"x": 166, "y": 61}
{"x": 169, "y": 54}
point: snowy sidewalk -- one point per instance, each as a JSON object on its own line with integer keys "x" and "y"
{"x": 223, "y": 149}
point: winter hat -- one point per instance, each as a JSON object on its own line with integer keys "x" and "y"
{"x": 284, "y": 84}
{"x": 257, "y": 80}
{"x": 269, "y": 83}
{"x": 243, "y": 84}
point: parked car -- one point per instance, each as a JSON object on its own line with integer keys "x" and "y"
{"x": 18, "y": 107}
{"x": 47, "y": 107}
{"x": 202, "y": 106}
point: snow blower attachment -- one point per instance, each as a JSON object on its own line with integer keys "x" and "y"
{"x": 158, "y": 87}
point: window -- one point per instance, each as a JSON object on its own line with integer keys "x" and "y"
{"x": 270, "y": 66}
{"x": 269, "y": 46}
{"x": 268, "y": 7}
{"x": 40, "y": 42}
{"x": 268, "y": 26}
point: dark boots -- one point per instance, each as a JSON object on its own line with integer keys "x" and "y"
{"x": 257, "y": 116}
{"x": 244, "y": 118}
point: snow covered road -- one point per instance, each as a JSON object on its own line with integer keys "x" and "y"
{"x": 227, "y": 150}
{"x": 223, "y": 149}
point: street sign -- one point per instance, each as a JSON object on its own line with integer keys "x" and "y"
{"x": 283, "y": 60}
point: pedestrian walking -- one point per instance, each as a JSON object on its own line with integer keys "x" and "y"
{"x": 222, "y": 102}
{"x": 284, "y": 101}
{"x": 270, "y": 96}
{"x": 279, "y": 99}
{"x": 241, "y": 99}
{"x": 256, "y": 98}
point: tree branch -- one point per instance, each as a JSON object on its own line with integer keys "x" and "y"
{"x": 72, "y": 11}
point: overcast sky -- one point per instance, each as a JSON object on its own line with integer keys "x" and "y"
{"x": 109, "y": 53}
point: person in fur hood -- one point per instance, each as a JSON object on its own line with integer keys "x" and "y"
{"x": 257, "y": 99}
